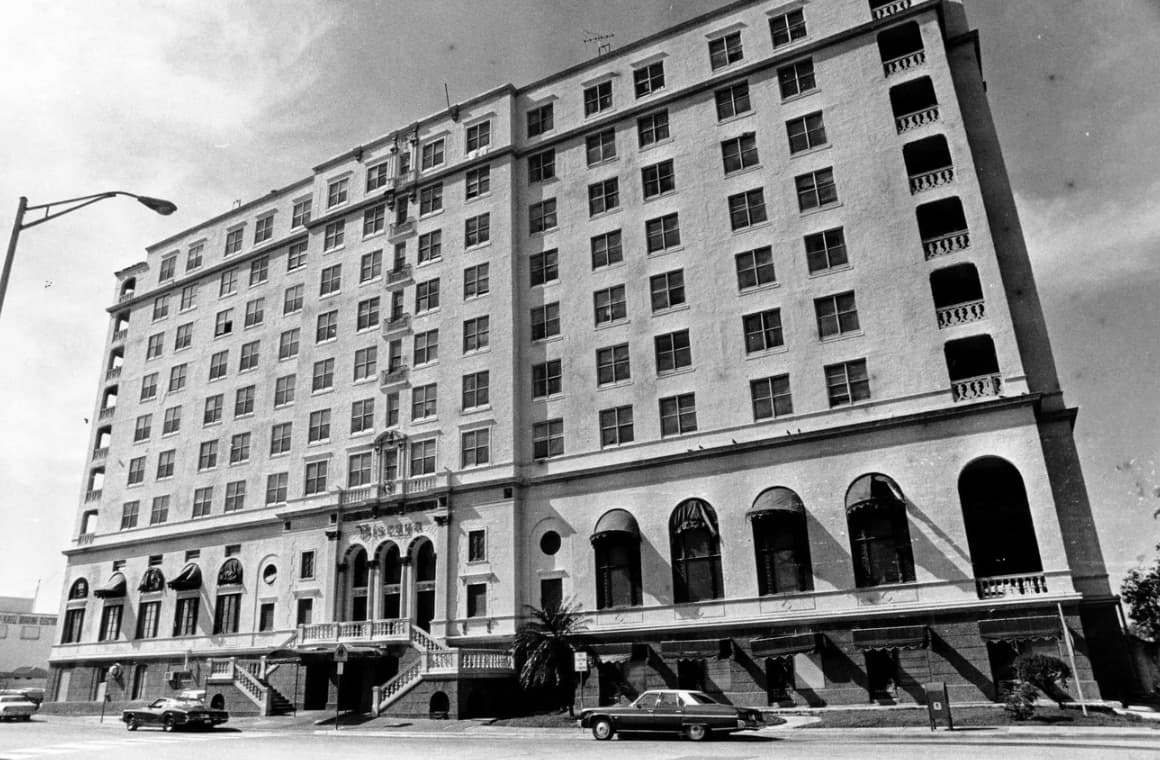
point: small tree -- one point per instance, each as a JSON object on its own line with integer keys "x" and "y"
{"x": 543, "y": 651}
{"x": 1141, "y": 592}
{"x": 1036, "y": 673}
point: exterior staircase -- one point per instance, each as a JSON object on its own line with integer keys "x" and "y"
{"x": 250, "y": 678}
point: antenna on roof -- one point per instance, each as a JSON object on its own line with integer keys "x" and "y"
{"x": 454, "y": 109}
{"x": 602, "y": 47}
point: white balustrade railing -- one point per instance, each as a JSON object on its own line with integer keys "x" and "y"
{"x": 932, "y": 179}
{"x": 944, "y": 244}
{"x": 972, "y": 388}
{"x": 425, "y": 641}
{"x": 904, "y": 62}
{"x": 397, "y": 685}
{"x": 484, "y": 659}
{"x": 916, "y": 119}
{"x": 221, "y": 668}
{"x": 889, "y": 9}
{"x": 999, "y": 586}
{"x": 961, "y": 313}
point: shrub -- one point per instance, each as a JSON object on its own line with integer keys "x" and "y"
{"x": 1019, "y": 700}
{"x": 1047, "y": 674}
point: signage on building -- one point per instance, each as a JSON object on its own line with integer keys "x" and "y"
{"x": 580, "y": 662}
{"x": 370, "y": 531}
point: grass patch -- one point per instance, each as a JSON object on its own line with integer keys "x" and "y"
{"x": 972, "y": 717}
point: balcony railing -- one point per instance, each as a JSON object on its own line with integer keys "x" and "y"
{"x": 112, "y": 373}
{"x": 394, "y": 376}
{"x": 396, "y": 630}
{"x": 928, "y": 180}
{"x": 882, "y": 11}
{"x": 977, "y": 387}
{"x": 413, "y": 486}
{"x": 961, "y": 314}
{"x": 120, "y": 335}
{"x": 944, "y": 244}
{"x": 405, "y": 227}
{"x": 399, "y": 274}
{"x": 916, "y": 119}
{"x": 85, "y": 539}
{"x": 107, "y": 413}
{"x": 1003, "y": 586}
{"x": 902, "y": 63}
{"x": 100, "y": 453}
{"x": 93, "y": 494}
{"x": 126, "y": 296}
{"x": 396, "y": 325}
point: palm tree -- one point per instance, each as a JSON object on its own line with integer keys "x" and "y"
{"x": 543, "y": 650}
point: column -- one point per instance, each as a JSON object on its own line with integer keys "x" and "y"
{"x": 375, "y": 589}
{"x": 445, "y": 578}
{"x": 333, "y": 579}
{"x": 406, "y": 588}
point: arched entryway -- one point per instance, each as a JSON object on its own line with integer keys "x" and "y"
{"x": 358, "y": 575}
{"x": 423, "y": 565}
{"x": 390, "y": 566}
{"x": 1000, "y": 532}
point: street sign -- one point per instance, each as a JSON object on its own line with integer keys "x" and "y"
{"x": 580, "y": 662}
{"x": 340, "y": 665}
{"x": 340, "y": 654}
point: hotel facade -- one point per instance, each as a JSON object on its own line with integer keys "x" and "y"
{"x": 728, "y": 336}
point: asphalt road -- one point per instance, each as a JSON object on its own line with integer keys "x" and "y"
{"x": 80, "y": 738}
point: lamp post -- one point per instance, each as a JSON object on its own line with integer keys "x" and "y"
{"x": 161, "y": 206}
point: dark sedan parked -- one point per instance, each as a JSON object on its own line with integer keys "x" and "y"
{"x": 692, "y": 713}
{"x": 173, "y": 713}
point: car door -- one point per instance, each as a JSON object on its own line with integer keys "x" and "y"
{"x": 668, "y": 712}
{"x": 638, "y": 717}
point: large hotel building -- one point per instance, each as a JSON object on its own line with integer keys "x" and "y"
{"x": 729, "y": 336}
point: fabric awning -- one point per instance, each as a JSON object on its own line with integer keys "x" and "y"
{"x": 776, "y": 501}
{"x": 620, "y": 652}
{"x": 231, "y": 573}
{"x": 697, "y": 649}
{"x": 152, "y": 580}
{"x": 283, "y": 656}
{"x": 615, "y": 521}
{"x": 784, "y": 645}
{"x": 352, "y": 650}
{"x": 1020, "y": 629}
{"x": 872, "y": 490}
{"x": 693, "y": 514}
{"x": 898, "y": 637}
{"x": 189, "y": 579}
{"x": 114, "y": 588}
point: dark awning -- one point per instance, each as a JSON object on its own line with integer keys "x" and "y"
{"x": 784, "y": 645}
{"x": 873, "y": 490}
{"x": 114, "y": 588}
{"x": 898, "y": 637}
{"x": 693, "y": 514}
{"x": 620, "y": 652}
{"x": 352, "y": 650}
{"x": 776, "y": 501}
{"x": 283, "y": 656}
{"x": 152, "y": 580}
{"x": 1020, "y": 629}
{"x": 697, "y": 649}
{"x": 189, "y": 579}
{"x": 615, "y": 521}
{"x": 230, "y": 573}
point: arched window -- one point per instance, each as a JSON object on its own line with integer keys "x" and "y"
{"x": 230, "y": 573}
{"x": 359, "y": 574}
{"x": 1000, "y": 532}
{"x": 152, "y": 580}
{"x": 780, "y": 542}
{"x": 616, "y": 542}
{"x": 79, "y": 589}
{"x": 392, "y": 578}
{"x": 425, "y": 563}
{"x": 696, "y": 551}
{"x": 424, "y": 584}
{"x": 879, "y": 532}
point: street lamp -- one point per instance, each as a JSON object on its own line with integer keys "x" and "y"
{"x": 160, "y": 205}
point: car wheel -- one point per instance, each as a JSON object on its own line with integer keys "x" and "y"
{"x": 132, "y": 724}
{"x": 28, "y": 717}
{"x": 169, "y": 723}
{"x": 696, "y": 732}
{"x": 602, "y": 729}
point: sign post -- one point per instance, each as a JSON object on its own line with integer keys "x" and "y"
{"x": 938, "y": 705}
{"x": 580, "y": 666}
{"x": 103, "y": 695}
{"x": 340, "y": 658}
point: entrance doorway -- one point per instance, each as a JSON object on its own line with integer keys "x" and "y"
{"x": 317, "y": 686}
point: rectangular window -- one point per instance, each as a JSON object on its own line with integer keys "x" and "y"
{"x": 477, "y": 182}
{"x": 327, "y": 326}
{"x": 606, "y": 249}
{"x": 235, "y": 496}
{"x": 377, "y": 176}
{"x": 74, "y": 621}
{"x": 648, "y": 79}
{"x": 826, "y": 250}
{"x": 616, "y": 426}
{"x": 165, "y": 461}
{"x": 154, "y": 346}
{"x": 476, "y": 281}
{"x": 430, "y": 246}
{"x": 541, "y": 166}
{"x": 762, "y": 330}
{"x": 334, "y": 235}
{"x": 678, "y": 414}
{"x": 806, "y": 132}
{"x": 202, "y": 501}
{"x": 477, "y": 230}
{"x": 542, "y": 216}
{"x": 239, "y": 448}
{"x": 259, "y": 270}
{"x": 732, "y": 100}
{"x": 185, "y": 616}
{"x": 475, "y": 389}
{"x": 658, "y": 179}
{"x": 213, "y": 409}
{"x": 603, "y": 196}
{"x": 771, "y": 397}
{"x": 362, "y": 415}
{"x": 234, "y": 241}
{"x": 433, "y": 154}
{"x": 319, "y": 426}
{"x": 177, "y": 377}
{"x": 168, "y": 269}
{"x": 280, "y": 438}
{"x": 365, "y": 363}
{"x": 755, "y": 268}
{"x": 193, "y": 259}
{"x": 159, "y": 513}
{"x": 545, "y": 320}
{"x": 228, "y": 284}
{"x": 476, "y": 600}
{"x": 266, "y": 617}
{"x": 284, "y": 390}
{"x": 188, "y": 298}
{"x": 292, "y": 299}
{"x": 148, "y": 614}
{"x": 160, "y": 307}
{"x": 207, "y": 455}
{"x": 288, "y": 343}
{"x": 110, "y": 623}
{"x": 323, "y": 378}
{"x": 404, "y": 163}
{"x": 601, "y": 146}
{"x": 479, "y": 136}
{"x": 796, "y": 78}
{"x": 747, "y": 209}
{"x": 667, "y": 289}
{"x": 673, "y": 351}
{"x": 427, "y": 296}
{"x": 816, "y": 189}
{"x": 430, "y": 199}
{"x": 331, "y": 280}
{"x": 424, "y": 401}
{"x": 300, "y": 215}
{"x": 358, "y": 470}
{"x": 426, "y": 345}
{"x": 305, "y": 612}
{"x": 422, "y": 457}
{"x": 540, "y": 119}
{"x": 739, "y": 153}
{"x": 130, "y": 511}
{"x": 172, "y": 423}
{"x": 184, "y": 337}
{"x": 609, "y": 304}
{"x": 226, "y": 613}
{"x": 476, "y": 546}
{"x": 837, "y": 315}
{"x": 374, "y": 220}
{"x": 296, "y": 257}
{"x": 223, "y": 323}
{"x": 663, "y": 233}
{"x": 847, "y": 382}
{"x": 370, "y": 266}
{"x": 306, "y": 566}
{"x": 368, "y": 314}
{"x": 547, "y": 378}
{"x": 548, "y": 439}
{"x": 248, "y": 359}
{"x": 143, "y": 428}
{"x": 316, "y": 475}
{"x": 544, "y": 267}
{"x": 787, "y": 27}
{"x": 612, "y": 365}
{"x": 337, "y": 192}
{"x": 475, "y": 447}
{"x": 652, "y": 129}
{"x": 476, "y": 333}
{"x": 725, "y": 50}
{"x": 597, "y": 98}
{"x": 255, "y": 312}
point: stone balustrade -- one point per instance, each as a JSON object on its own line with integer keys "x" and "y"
{"x": 1004, "y": 586}
{"x": 929, "y": 180}
{"x": 944, "y": 244}
{"x": 910, "y": 121}
{"x": 961, "y": 314}
{"x": 882, "y": 11}
{"x": 904, "y": 62}
{"x": 972, "y": 388}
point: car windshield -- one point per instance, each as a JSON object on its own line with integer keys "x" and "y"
{"x": 700, "y": 698}
{"x": 648, "y": 699}
{"x": 158, "y": 702}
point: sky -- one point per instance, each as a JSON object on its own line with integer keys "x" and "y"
{"x": 212, "y": 102}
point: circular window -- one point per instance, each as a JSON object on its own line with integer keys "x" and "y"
{"x": 550, "y": 542}
{"x": 270, "y": 574}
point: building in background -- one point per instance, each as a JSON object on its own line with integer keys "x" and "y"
{"x": 729, "y": 335}
{"x": 26, "y": 641}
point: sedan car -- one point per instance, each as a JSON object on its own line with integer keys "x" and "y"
{"x": 171, "y": 713}
{"x": 16, "y": 707}
{"x": 692, "y": 713}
